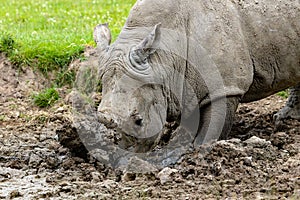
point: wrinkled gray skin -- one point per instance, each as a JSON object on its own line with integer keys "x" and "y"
{"x": 254, "y": 46}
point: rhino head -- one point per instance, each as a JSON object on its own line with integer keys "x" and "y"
{"x": 134, "y": 101}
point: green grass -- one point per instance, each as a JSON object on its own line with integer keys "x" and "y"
{"x": 46, "y": 98}
{"x": 284, "y": 94}
{"x": 7, "y": 44}
{"x": 49, "y": 34}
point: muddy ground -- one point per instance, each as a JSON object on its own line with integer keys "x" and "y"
{"x": 258, "y": 162}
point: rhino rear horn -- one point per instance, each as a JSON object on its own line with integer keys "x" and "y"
{"x": 102, "y": 36}
{"x": 140, "y": 53}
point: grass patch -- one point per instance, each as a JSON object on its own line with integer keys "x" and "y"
{"x": 65, "y": 77}
{"x": 7, "y": 44}
{"x": 48, "y": 35}
{"x": 46, "y": 98}
{"x": 284, "y": 94}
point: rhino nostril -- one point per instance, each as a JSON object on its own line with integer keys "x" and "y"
{"x": 139, "y": 122}
{"x": 137, "y": 118}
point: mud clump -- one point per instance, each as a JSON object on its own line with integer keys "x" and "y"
{"x": 68, "y": 137}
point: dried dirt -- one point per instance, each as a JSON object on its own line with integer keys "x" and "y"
{"x": 260, "y": 161}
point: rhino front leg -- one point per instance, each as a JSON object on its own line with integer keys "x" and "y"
{"x": 213, "y": 125}
{"x": 292, "y": 106}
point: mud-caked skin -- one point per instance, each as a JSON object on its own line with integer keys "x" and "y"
{"x": 171, "y": 52}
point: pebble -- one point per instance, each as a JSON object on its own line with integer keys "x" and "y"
{"x": 216, "y": 168}
{"x": 257, "y": 142}
{"x": 278, "y": 139}
{"x": 96, "y": 176}
{"x": 166, "y": 175}
{"x": 13, "y": 194}
{"x": 109, "y": 184}
{"x": 60, "y": 110}
{"x": 34, "y": 160}
{"x": 63, "y": 183}
{"x": 248, "y": 161}
{"x": 128, "y": 177}
{"x": 137, "y": 165}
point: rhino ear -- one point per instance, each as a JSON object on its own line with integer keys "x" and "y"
{"x": 139, "y": 54}
{"x": 102, "y": 36}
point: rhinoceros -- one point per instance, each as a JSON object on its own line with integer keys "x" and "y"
{"x": 195, "y": 61}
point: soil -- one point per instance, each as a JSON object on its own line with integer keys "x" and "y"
{"x": 259, "y": 161}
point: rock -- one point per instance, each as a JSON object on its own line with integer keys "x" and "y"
{"x": 279, "y": 139}
{"x": 4, "y": 176}
{"x": 235, "y": 141}
{"x": 109, "y": 184}
{"x": 14, "y": 194}
{"x": 68, "y": 163}
{"x": 228, "y": 145}
{"x": 64, "y": 183}
{"x": 248, "y": 161}
{"x": 53, "y": 162}
{"x": 257, "y": 142}
{"x": 118, "y": 174}
{"x": 166, "y": 175}
{"x": 216, "y": 168}
{"x": 60, "y": 110}
{"x": 35, "y": 160}
{"x": 18, "y": 95}
{"x": 69, "y": 98}
{"x": 128, "y": 177}
{"x": 96, "y": 176}
{"x": 63, "y": 150}
{"x": 148, "y": 192}
{"x": 137, "y": 165}
{"x": 49, "y": 179}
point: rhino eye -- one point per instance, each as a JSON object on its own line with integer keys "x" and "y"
{"x": 139, "y": 122}
{"x": 139, "y": 62}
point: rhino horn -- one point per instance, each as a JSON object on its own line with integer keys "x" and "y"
{"x": 102, "y": 36}
{"x": 140, "y": 53}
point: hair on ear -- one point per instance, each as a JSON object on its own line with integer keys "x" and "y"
{"x": 102, "y": 36}
{"x": 140, "y": 53}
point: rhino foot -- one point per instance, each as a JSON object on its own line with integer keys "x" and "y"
{"x": 292, "y": 107}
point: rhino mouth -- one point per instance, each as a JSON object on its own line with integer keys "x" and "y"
{"x": 132, "y": 143}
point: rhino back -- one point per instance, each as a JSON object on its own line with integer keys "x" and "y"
{"x": 254, "y": 45}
